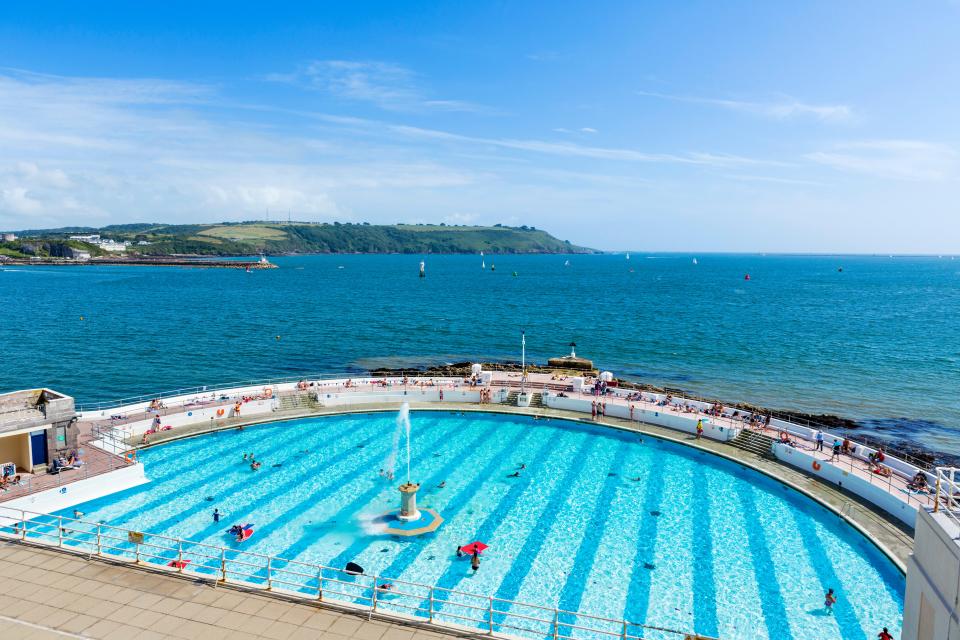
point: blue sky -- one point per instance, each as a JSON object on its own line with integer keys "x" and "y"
{"x": 735, "y": 126}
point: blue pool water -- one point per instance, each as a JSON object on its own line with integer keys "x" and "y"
{"x": 600, "y": 521}
{"x": 876, "y": 342}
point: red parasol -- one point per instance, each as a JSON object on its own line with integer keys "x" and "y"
{"x": 477, "y": 546}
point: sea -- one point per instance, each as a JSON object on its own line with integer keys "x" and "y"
{"x": 871, "y": 338}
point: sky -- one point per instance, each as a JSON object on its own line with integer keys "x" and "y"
{"x": 660, "y": 126}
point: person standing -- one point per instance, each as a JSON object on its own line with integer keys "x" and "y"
{"x": 819, "y": 440}
{"x": 885, "y": 635}
{"x": 475, "y": 560}
{"x": 699, "y": 429}
{"x": 216, "y": 515}
{"x": 829, "y": 600}
{"x": 593, "y": 409}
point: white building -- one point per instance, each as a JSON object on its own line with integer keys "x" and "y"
{"x": 9, "y": 237}
{"x": 931, "y": 607}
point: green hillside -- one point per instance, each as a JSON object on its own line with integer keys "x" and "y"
{"x": 278, "y": 238}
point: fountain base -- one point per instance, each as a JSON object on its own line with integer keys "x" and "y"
{"x": 392, "y": 523}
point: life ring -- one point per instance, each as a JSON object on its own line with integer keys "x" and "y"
{"x": 816, "y": 465}
{"x": 267, "y": 392}
{"x": 219, "y": 412}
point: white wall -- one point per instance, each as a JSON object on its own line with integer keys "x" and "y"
{"x": 80, "y": 491}
{"x": 930, "y": 607}
{"x": 207, "y": 414}
{"x": 677, "y": 423}
{"x": 874, "y": 492}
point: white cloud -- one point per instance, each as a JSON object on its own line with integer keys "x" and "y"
{"x": 914, "y": 160}
{"x": 781, "y": 109}
{"x": 389, "y": 86}
{"x": 588, "y": 130}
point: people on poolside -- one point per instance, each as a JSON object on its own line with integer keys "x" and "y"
{"x": 236, "y": 409}
{"x": 829, "y": 600}
{"x": 885, "y": 635}
{"x": 877, "y": 457}
{"x": 837, "y": 446}
{"x": 593, "y": 409}
{"x": 847, "y": 446}
{"x": 699, "y": 429}
{"x": 819, "y": 438}
{"x": 919, "y": 482}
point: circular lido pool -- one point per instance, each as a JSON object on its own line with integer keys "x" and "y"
{"x": 597, "y": 521}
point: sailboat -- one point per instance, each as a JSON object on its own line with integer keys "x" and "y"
{"x": 483, "y": 263}
{"x": 628, "y": 256}
{"x": 566, "y": 263}
{"x": 695, "y": 261}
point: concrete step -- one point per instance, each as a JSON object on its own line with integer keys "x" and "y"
{"x": 754, "y": 442}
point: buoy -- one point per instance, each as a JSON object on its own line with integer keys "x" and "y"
{"x": 81, "y": 317}
{"x": 219, "y": 412}
{"x": 816, "y": 466}
{"x": 746, "y": 277}
{"x": 423, "y": 271}
{"x": 514, "y": 274}
{"x": 278, "y": 337}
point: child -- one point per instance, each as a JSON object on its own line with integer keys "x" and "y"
{"x": 829, "y": 600}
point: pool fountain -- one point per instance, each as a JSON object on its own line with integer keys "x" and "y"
{"x": 408, "y": 520}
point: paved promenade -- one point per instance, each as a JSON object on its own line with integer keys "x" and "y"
{"x": 59, "y": 595}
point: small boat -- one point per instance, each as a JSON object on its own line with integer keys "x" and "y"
{"x": 628, "y": 256}
{"x": 746, "y": 277}
{"x": 566, "y": 263}
{"x": 695, "y": 261}
{"x": 423, "y": 271}
{"x": 493, "y": 267}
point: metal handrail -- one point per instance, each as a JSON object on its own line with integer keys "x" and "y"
{"x": 177, "y": 554}
{"x": 948, "y": 493}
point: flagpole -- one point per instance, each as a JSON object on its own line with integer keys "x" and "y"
{"x": 523, "y": 361}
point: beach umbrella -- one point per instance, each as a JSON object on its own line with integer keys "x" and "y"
{"x": 477, "y": 546}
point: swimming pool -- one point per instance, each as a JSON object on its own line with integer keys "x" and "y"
{"x": 599, "y": 521}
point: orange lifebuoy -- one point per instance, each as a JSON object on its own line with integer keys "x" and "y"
{"x": 219, "y": 412}
{"x": 816, "y": 466}
{"x": 268, "y": 392}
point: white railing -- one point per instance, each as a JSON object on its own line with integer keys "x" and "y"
{"x": 948, "y": 493}
{"x": 387, "y": 596}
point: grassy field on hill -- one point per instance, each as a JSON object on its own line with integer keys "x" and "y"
{"x": 283, "y": 238}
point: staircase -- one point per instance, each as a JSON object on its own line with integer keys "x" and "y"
{"x": 754, "y": 442}
{"x": 536, "y": 399}
{"x": 299, "y": 402}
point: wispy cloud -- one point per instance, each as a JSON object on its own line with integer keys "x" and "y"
{"x": 915, "y": 160}
{"x": 569, "y": 149}
{"x": 390, "y": 86}
{"x": 782, "y": 108}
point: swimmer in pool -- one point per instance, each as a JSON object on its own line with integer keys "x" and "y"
{"x": 442, "y": 484}
{"x": 515, "y": 474}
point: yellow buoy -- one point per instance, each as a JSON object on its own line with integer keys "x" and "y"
{"x": 81, "y": 317}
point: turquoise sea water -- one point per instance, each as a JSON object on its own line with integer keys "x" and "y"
{"x": 599, "y": 521}
{"x": 878, "y": 341}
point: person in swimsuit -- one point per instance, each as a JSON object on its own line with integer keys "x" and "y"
{"x": 829, "y": 600}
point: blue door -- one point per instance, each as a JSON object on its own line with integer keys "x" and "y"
{"x": 38, "y": 443}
